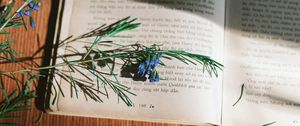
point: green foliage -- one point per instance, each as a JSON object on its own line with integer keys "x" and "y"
{"x": 92, "y": 61}
{"x": 18, "y": 99}
{"x": 12, "y": 19}
{"x": 7, "y": 53}
{"x": 131, "y": 55}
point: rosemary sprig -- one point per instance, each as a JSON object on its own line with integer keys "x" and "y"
{"x": 138, "y": 62}
{"x": 14, "y": 19}
{"x": 7, "y": 53}
{"x": 132, "y": 56}
{"x": 18, "y": 99}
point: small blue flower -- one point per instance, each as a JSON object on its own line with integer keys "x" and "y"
{"x": 36, "y": 6}
{"x": 27, "y": 12}
{"x": 20, "y": 14}
{"x": 141, "y": 69}
{"x": 32, "y": 23}
{"x": 156, "y": 60}
{"x": 148, "y": 66}
{"x": 154, "y": 77}
{"x": 31, "y": 4}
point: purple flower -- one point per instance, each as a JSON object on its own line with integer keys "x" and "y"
{"x": 27, "y": 12}
{"x": 31, "y": 4}
{"x": 32, "y": 23}
{"x": 148, "y": 66}
{"x": 20, "y": 14}
{"x": 36, "y": 6}
{"x": 141, "y": 69}
{"x": 154, "y": 77}
{"x": 156, "y": 60}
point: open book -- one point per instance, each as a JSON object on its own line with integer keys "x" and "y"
{"x": 256, "y": 40}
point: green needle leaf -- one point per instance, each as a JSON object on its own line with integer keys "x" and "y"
{"x": 268, "y": 124}
{"x": 242, "y": 92}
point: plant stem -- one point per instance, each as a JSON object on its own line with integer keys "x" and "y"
{"x": 53, "y": 66}
{"x": 98, "y": 38}
{"x": 74, "y": 62}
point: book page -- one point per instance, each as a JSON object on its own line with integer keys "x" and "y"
{"x": 184, "y": 94}
{"x": 262, "y": 52}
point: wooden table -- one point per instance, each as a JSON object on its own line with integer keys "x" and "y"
{"x": 32, "y": 42}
